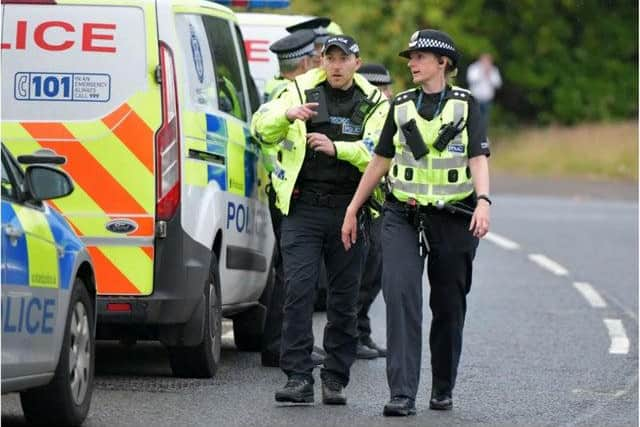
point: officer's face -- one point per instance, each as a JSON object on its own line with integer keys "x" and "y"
{"x": 424, "y": 66}
{"x": 340, "y": 67}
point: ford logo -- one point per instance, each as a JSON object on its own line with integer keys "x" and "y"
{"x": 122, "y": 226}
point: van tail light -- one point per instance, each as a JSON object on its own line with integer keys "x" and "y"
{"x": 168, "y": 141}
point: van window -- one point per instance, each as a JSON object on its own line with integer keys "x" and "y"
{"x": 231, "y": 94}
{"x": 198, "y": 63}
{"x": 254, "y": 95}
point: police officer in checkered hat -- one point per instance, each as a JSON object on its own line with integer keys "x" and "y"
{"x": 433, "y": 152}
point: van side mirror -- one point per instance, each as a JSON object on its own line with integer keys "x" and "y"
{"x": 46, "y": 182}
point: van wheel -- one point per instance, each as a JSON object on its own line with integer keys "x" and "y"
{"x": 66, "y": 399}
{"x": 201, "y": 361}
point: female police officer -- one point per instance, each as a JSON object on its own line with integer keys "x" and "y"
{"x": 434, "y": 152}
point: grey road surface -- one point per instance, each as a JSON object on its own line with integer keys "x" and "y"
{"x": 536, "y": 352}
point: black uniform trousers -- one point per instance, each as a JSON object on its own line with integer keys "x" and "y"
{"x": 449, "y": 268}
{"x": 371, "y": 277}
{"x": 309, "y": 232}
{"x": 273, "y": 322}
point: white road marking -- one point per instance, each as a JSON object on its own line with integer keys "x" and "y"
{"x": 548, "y": 264}
{"x": 619, "y": 340}
{"x": 228, "y": 335}
{"x": 590, "y": 294}
{"x": 501, "y": 241}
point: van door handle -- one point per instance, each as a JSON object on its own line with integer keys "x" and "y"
{"x": 13, "y": 232}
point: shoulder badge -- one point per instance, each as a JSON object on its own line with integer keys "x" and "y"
{"x": 402, "y": 97}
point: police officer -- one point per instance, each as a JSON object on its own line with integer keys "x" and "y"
{"x": 326, "y": 120}
{"x": 379, "y": 76}
{"x": 294, "y": 58}
{"x": 295, "y": 54}
{"x": 323, "y": 28}
{"x": 434, "y": 150}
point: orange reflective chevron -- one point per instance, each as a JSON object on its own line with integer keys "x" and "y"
{"x": 113, "y": 171}
{"x": 131, "y": 129}
{"x": 110, "y": 280}
{"x": 87, "y": 171}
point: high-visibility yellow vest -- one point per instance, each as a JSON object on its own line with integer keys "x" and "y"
{"x": 271, "y": 126}
{"x": 438, "y": 176}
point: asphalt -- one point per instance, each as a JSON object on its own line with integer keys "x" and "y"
{"x": 535, "y": 354}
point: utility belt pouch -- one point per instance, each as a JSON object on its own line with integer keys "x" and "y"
{"x": 446, "y": 133}
{"x": 414, "y": 139}
{"x": 318, "y": 95}
{"x": 362, "y": 109}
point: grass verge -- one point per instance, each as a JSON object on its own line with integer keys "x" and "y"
{"x": 607, "y": 151}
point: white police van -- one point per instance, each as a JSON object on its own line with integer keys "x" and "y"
{"x": 150, "y": 102}
{"x": 48, "y": 297}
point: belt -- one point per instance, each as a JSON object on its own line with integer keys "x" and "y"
{"x": 392, "y": 200}
{"x": 323, "y": 200}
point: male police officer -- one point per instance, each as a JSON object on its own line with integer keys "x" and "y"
{"x": 295, "y": 54}
{"x": 323, "y": 28}
{"x": 326, "y": 120}
{"x": 434, "y": 149}
{"x": 294, "y": 58}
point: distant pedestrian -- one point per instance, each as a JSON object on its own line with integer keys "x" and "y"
{"x": 484, "y": 78}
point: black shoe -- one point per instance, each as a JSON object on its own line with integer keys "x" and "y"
{"x": 441, "y": 402}
{"x": 382, "y": 352}
{"x": 297, "y": 390}
{"x": 318, "y": 355}
{"x": 399, "y": 407}
{"x": 333, "y": 392}
{"x": 270, "y": 359}
{"x": 365, "y": 352}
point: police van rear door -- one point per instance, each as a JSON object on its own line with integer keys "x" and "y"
{"x": 79, "y": 79}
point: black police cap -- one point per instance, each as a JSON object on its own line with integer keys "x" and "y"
{"x": 432, "y": 41}
{"x": 376, "y": 74}
{"x": 316, "y": 24}
{"x": 295, "y": 45}
{"x": 346, "y": 43}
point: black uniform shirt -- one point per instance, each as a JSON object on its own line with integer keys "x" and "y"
{"x": 478, "y": 143}
{"x": 326, "y": 174}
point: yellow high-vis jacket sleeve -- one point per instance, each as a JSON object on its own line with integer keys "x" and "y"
{"x": 358, "y": 153}
{"x": 269, "y": 124}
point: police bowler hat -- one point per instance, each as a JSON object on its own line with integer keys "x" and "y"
{"x": 434, "y": 41}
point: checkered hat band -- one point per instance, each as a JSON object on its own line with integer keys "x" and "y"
{"x": 377, "y": 78}
{"x": 423, "y": 43}
{"x": 306, "y": 50}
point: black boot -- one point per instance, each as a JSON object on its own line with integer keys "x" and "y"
{"x": 333, "y": 392}
{"x": 399, "y": 407}
{"x": 441, "y": 401}
{"x": 382, "y": 352}
{"x": 297, "y": 390}
{"x": 365, "y": 352}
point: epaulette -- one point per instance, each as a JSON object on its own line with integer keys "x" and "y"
{"x": 458, "y": 93}
{"x": 402, "y": 97}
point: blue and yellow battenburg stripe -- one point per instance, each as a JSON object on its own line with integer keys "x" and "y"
{"x": 33, "y": 260}
{"x": 238, "y": 169}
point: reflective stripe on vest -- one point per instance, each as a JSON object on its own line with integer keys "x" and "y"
{"x": 438, "y": 175}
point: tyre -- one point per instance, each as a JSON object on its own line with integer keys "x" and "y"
{"x": 202, "y": 360}
{"x": 66, "y": 399}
